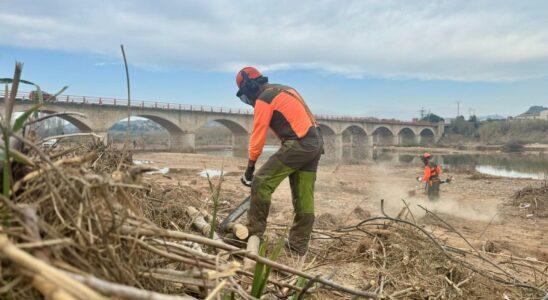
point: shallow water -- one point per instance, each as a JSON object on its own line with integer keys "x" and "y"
{"x": 532, "y": 166}
{"x": 496, "y": 164}
{"x": 501, "y": 171}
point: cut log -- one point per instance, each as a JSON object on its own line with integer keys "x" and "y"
{"x": 239, "y": 230}
{"x": 253, "y": 247}
{"x": 199, "y": 223}
{"x": 206, "y": 215}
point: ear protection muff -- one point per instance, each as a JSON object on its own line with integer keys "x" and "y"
{"x": 251, "y": 86}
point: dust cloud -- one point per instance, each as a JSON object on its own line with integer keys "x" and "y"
{"x": 394, "y": 192}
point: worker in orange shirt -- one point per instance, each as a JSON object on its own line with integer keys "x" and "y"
{"x": 282, "y": 109}
{"x": 431, "y": 177}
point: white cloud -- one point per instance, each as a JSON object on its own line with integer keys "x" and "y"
{"x": 106, "y": 63}
{"x": 458, "y": 40}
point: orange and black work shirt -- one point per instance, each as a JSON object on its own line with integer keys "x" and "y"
{"x": 283, "y": 110}
{"x": 431, "y": 171}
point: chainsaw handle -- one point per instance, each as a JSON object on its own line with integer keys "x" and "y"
{"x": 245, "y": 182}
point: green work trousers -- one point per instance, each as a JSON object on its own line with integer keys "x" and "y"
{"x": 298, "y": 160}
{"x": 433, "y": 189}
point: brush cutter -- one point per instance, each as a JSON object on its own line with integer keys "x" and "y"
{"x": 413, "y": 192}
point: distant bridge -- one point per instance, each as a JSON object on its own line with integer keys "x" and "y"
{"x": 341, "y": 133}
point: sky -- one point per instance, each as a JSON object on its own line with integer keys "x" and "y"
{"x": 385, "y": 59}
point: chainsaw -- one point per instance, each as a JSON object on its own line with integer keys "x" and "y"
{"x": 235, "y": 214}
{"x": 238, "y": 211}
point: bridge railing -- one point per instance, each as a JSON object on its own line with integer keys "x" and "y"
{"x": 371, "y": 120}
{"x": 137, "y": 103}
{"x": 188, "y": 107}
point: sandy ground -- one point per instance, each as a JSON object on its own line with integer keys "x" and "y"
{"x": 476, "y": 208}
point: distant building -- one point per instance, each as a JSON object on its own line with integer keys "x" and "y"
{"x": 449, "y": 120}
{"x": 492, "y": 118}
{"x": 534, "y": 113}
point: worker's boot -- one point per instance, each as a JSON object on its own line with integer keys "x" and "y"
{"x": 256, "y": 216}
{"x": 300, "y": 232}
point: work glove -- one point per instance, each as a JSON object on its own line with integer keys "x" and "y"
{"x": 248, "y": 175}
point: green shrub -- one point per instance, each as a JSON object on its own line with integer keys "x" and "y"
{"x": 514, "y": 146}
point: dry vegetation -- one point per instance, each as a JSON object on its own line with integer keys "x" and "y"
{"x": 88, "y": 216}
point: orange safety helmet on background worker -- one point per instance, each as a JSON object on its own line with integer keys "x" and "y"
{"x": 282, "y": 109}
{"x": 431, "y": 177}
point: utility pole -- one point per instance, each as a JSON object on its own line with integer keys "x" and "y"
{"x": 422, "y": 110}
{"x": 458, "y": 109}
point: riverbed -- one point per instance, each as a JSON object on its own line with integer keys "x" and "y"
{"x": 476, "y": 206}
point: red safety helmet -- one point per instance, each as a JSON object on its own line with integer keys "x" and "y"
{"x": 426, "y": 155}
{"x": 250, "y": 73}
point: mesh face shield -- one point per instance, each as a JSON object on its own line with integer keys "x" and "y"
{"x": 243, "y": 97}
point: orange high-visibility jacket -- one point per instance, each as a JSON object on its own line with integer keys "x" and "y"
{"x": 283, "y": 110}
{"x": 431, "y": 171}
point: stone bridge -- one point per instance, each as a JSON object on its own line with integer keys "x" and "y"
{"x": 343, "y": 135}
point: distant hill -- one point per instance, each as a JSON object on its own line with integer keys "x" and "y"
{"x": 536, "y": 109}
{"x": 532, "y": 111}
{"x": 137, "y": 125}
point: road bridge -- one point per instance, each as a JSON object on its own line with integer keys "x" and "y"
{"x": 343, "y": 135}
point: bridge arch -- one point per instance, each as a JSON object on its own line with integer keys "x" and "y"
{"x": 169, "y": 137}
{"x": 77, "y": 122}
{"x": 234, "y": 127}
{"x": 325, "y": 129}
{"x": 406, "y": 137}
{"x": 383, "y": 136}
{"x": 170, "y": 126}
{"x": 221, "y": 134}
{"x": 329, "y": 140}
{"x": 427, "y": 136}
{"x": 354, "y": 142}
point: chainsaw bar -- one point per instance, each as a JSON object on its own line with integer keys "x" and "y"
{"x": 235, "y": 214}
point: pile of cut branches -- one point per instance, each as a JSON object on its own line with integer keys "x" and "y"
{"x": 533, "y": 200}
